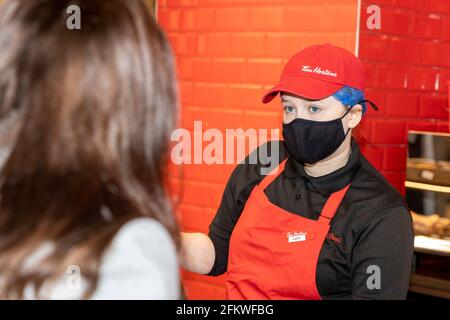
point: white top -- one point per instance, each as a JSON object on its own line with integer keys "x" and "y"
{"x": 141, "y": 263}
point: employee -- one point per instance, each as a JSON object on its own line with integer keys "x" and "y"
{"x": 326, "y": 224}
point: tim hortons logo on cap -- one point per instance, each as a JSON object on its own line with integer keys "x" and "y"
{"x": 318, "y": 70}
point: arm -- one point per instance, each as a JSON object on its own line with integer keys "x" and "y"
{"x": 197, "y": 252}
{"x": 382, "y": 257}
{"x": 208, "y": 254}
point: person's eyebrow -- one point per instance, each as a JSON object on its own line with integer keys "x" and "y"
{"x": 316, "y": 102}
{"x": 285, "y": 99}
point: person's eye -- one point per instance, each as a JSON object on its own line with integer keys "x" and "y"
{"x": 314, "y": 109}
{"x": 289, "y": 109}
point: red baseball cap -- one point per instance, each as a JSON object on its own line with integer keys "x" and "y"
{"x": 318, "y": 71}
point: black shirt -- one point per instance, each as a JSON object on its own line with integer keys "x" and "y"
{"x": 372, "y": 226}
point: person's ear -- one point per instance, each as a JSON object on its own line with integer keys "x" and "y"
{"x": 354, "y": 116}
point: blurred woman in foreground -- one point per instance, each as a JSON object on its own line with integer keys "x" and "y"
{"x": 86, "y": 117}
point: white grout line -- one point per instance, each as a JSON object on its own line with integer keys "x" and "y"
{"x": 358, "y": 21}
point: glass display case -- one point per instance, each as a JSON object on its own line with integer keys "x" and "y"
{"x": 428, "y": 197}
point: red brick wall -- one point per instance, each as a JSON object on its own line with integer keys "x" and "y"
{"x": 228, "y": 53}
{"x": 407, "y": 66}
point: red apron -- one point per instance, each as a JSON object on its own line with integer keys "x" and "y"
{"x": 273, "y": 253}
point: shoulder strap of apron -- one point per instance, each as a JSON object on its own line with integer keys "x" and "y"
{"x": 272, "y": 175}
{"x": 331, "y": 205}
{"x": 333, "y": 202}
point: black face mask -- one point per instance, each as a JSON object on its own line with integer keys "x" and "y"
{"x": 309, "y": 141}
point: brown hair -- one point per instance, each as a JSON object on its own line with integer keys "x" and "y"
{"x": 91, "y": 111}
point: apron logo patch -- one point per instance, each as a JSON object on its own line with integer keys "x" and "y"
{"x": 298, "y": 236}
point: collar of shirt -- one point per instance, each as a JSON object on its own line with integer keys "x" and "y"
{"x": 331, "y": 182}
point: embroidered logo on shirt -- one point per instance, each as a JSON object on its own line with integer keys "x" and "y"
{"x": 331, "y": 236}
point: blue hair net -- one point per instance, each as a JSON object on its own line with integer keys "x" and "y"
{"x": 349, "y": 96}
